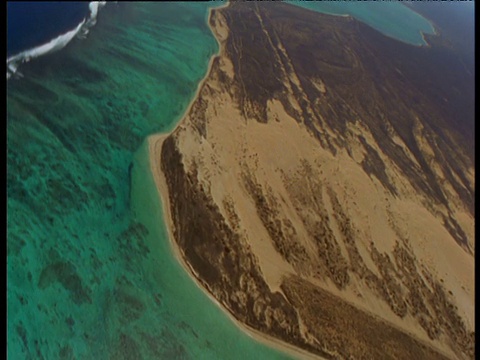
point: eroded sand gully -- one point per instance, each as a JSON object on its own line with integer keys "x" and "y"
{"x": 290, "y": 214}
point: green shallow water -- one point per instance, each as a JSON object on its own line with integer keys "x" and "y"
{"x": 391, "y": 18}
{"x": 214, "y": 334}
{"x": 90, "y": 274}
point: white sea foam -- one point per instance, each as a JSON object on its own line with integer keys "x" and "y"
{"x": 81, "y": 30}
{"x": 94, "y": 6}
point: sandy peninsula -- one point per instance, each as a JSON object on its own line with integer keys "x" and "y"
{"x": 155, "y": 143}
{"x": 322, "y": 210}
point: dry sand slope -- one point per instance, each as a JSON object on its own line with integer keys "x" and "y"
{"x": 319, "y": 191}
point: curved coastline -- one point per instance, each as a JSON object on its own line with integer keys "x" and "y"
{"x": 155, "y": 142}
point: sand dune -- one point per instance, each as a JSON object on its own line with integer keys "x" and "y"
{"x": 299, "y": 217}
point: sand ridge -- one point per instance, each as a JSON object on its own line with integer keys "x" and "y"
{"x": 371, "y": 239}
{"x": 155, "y": 143}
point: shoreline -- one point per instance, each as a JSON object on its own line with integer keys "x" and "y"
{"x": 422, "y": 33}
{"x": 155, "y": 142}
{"x": 201, "y": 82}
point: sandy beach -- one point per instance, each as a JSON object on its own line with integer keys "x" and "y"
{"x": 155, "y": 145}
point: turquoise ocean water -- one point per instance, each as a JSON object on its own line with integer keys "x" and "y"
{"x": 90, "y": 270}
{"x": 88, "y": 276}
{"x": 391, "y": 18}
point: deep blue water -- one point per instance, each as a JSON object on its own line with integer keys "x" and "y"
{"x": 30, "y": 24}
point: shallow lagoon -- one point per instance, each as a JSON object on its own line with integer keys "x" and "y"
{"x": 391, "y": 18}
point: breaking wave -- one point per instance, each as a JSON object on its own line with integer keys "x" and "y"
{"x": 80, "y": 31}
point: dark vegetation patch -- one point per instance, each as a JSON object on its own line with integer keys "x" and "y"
{"x": 215, "y": 252}
{"x": 66, "y": 274}
{"x": 344, "y": 331}
{"x": 369, "y": 77}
